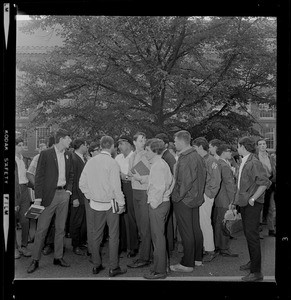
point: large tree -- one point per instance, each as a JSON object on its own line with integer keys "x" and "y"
{"x": 123, "y": 74}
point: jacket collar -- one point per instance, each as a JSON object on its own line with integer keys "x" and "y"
{"x": 184, "y": 153}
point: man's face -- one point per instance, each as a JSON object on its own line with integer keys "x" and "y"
{"x": 239, "y": 149}
{"x": 227, "y": 154}
{"x": 212, "y": 149}
{"x": 140, "y": 142}
{"x": 179, "y": 144}
{"x": 84, "y": 148}
{"x": 149, "y": 153}
{"x": 123, "y": 146}
{"x": 19, "y": 148}
{"x": 262, "y": 146}
{"x": 198, "y": 149}
{"x": 66, "y": 141}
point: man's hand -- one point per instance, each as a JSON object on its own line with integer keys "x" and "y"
{"x": 252, "y": 201}
{"x": 121, "y": 210}
{"x": 37, "y": 201}
{"x": 76, "y": 203}
{"x": 137, "y": 176}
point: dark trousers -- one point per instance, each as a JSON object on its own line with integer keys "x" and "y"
{"x": 170, "y": 229}
{"x": 89, "y": 224}
{"x": 23, "y": 207}
{"x": 158, "y": 217}
{"x": 100, "y": 218}
{"x": 143, "y": 221}
{"x": 190, "y": 231}
{"x": 58, "y": 206}
{"x": 251, "y": 227}
{"x": 221, "y": 241}
{"x": 78, "y": 226}
{"x": 267, "y": 199}
{"x": 131, "y": 231}
{"x": 50, "y": 236}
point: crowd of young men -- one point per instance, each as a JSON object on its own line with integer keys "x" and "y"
{"x": 141, "y": 195}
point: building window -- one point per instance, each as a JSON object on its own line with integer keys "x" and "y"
{"x": 42, "y": 135}
{"x": 22, "y": 133}
{"x": 269, "y": 135}
{"x": 266, "y": 111}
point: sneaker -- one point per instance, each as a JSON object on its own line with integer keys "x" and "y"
{"x": 181, "y": 268}
{"x": 155, "y": 275}
{"x": 24, "y": 251}
{"x": 139, "y": 263}
{"x": 198, "y": 263}
{"x": 17, "y": 254}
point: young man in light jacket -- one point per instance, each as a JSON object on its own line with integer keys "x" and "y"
{"x": 159, "y": 189}
{"x": 100, "y": 183}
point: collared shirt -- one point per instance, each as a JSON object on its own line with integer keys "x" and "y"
{"x": 264, "y": 159}
{"x": 160, "y": 182}
{"x": 33, "y": 165}
{"x": 100, "y": 182}
{"x": 61, "y": 166}
{"x": 21, "y": 170}
{"x": 81, "y": 156}
{"x": 123, "y": 162}
{"x": 243, "y": 161}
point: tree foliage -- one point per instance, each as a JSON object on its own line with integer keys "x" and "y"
{"x": 157, "y": 74}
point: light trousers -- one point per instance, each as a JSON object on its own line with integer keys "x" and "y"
{"x": 205, "y": 223}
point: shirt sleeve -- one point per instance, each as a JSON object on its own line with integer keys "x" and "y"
{"x": 116, "y": 184}
{"x": 83, "y": 183}
{"x": 260, "y": 174}
{"x": 157, "y": 187}
{"x": 33, "y": 165}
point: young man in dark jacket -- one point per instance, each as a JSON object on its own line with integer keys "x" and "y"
{"x": 187, "y": 196}
{"x": 251, "y": 185}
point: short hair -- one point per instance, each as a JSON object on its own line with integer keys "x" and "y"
{"x": 223, "y": 147}
{"x": 93, "y": 146}
{"x": 261, "y": 139}
{"x": 201, "y": 141}
{"x": 106, "y": 142}
{"x": 78, "y": 142}
{"x": 215, "y": 142}
{"x": 183, "y": 135}
{"x": 248, "y": 143}
{"x": 138, "y": 134}
{"x": 172, "y": 146}
{"x": 61, "y": 133}
{"x": 18, "y": 140}
{"x": 156, "y": 145}
{"x": 51, "y": 141}
{"x": 164, "y": 137}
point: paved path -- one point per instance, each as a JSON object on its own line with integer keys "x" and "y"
{"x": 220, "y": 269}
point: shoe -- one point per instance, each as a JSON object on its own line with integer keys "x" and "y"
{"x": 228, "y": 253}
{"x": 209, "y": 256}
{"x": 181, "y": 268}
{"x": 17, "y": 254}
{"x": 155, "y": 275}
{"x": 24, "y": 251}
{"x": 60, "y": 262}
{"x": 252, "y": 277}
{"x": 116, "y": 271}
{"x": 198, "y": 263}
{"x": 132, "y": 253}
{"x": 33, "y": 266}
{"x": 78, "y": 251}
{"x": 139, "y": 263}
{"x": 272, "y": 233}
{"x": 48, "y": 249}
{"x": 96, "y": 270}
{"x": 245, "y": 267}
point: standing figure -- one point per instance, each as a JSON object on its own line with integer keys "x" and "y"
{"x": 251, "y": 186}
{"x": 212, "y": 186}
{"x": 159, "y": 190}
{"x": 100, "y": 183}
{"x": 224, "y": 200}
{"x": 53, "y": 187}
{"x": 187, "y": 197}
{"x": 24, "y": 199}
{"x": 78, "y": 226}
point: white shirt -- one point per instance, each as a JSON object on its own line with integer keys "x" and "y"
{"x": 61, "y": 166}
{"x": 123, "y": 162}
{"x": 160, "y": 182}
{"x": 243, "y": 161}
{"x": 100, "y": 182}
{"x": 21, "y": 170}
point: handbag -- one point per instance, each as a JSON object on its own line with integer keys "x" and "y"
{"x": 231, "y": 223}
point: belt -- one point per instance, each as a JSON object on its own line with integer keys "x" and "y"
{"x": 61, "y": 187}
{"x": 126, "y": 181}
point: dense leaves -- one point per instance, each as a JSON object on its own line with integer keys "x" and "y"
{"x": 123, "y": 74}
